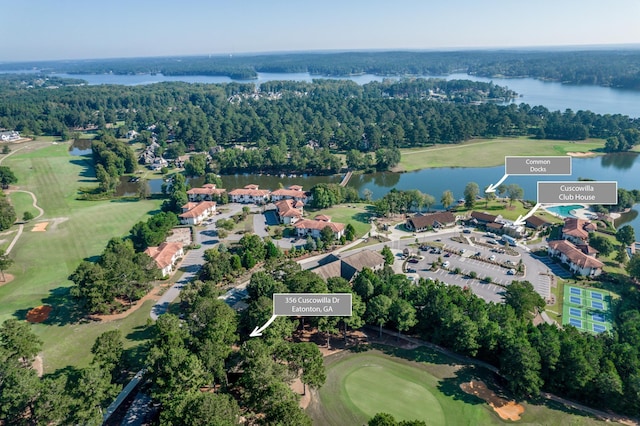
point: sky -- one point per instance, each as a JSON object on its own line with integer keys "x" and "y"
{"x": 84, "y": 29}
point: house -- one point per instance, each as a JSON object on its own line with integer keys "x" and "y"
{"x": 208, "y": 192}
{"x": 289, "y": 211}
{"x": 633, "y": 249}
{"x": 166, "y": 255}
{"x": 425, "y": 222}
{"x": 131, "y": 134}
{"x": 537, "y": 223}
{"x": 294, "y": 192}
{"x": 195, "y": 213}
{"x": 580, "y": 262}
{"x": 250, "y": 194}
{"x": 577, "y": 230}
{"x": 9, "y": 136}
{"x": 313, "y": 227}
{"x": 349, "y": 266}
{"x": 482, "y": 219}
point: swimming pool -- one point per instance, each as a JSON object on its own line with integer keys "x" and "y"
{"x": 564, "y": 211}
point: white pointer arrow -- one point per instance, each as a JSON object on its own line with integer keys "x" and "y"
{"x": 520, "y": 220}
{"x": 492, "y": 188}
{"x": 258, "y": 331}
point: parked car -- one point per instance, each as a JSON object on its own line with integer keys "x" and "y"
{"x": 493, "y": 257}
{"x": 467, "y": 231}
{"x": 511, "y": 271}
{"x": 446, "y": 264}
{"x": 447, "y": 254}
{"x": 413, "y": 260}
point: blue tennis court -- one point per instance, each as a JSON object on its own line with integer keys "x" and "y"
{"x": 576, "y": 300}
{"x": 596, "y": 295}
{"x": 597, "y": 317}
{"x": 599, "y": 328}
{"x": 597, "y": 305}
{"x": 575, "y": 322}
{"x": 576, "y": 291}
{"x": 575, "y": 312}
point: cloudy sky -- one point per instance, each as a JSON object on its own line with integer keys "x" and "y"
{"x": 74, "y": 29}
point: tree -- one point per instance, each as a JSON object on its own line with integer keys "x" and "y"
{"x": 93, "y": 392}
{"x": 378, "y": 310}
{"x": 7, "y": 177}
{"x": 626, "y": 235}
{"x": 27, "y": 216}
{"x": 621, "y": 256}
{"x": 349, "y": 232}
{"x": 521, "y": 296}
{"x": 633, "y": 267}
{"x": 471, "y": 192}
{"x": 514, "y": 192}
{"x": 367, "y": 194}
{"x": 308, "y": 358}
{"x": 382, "y": 419}
{"x": 488, "y": 197}
{"x": 388, "y": 255}
{"x": 403, "y": 314}
{"x": 447, "y": 199}
{"x": 18, "y": 341}
{"x": 5, "y": 263}
{"x": 520, "y": 366}
{"x": 196, "y": 408}
{"x": 107, "y": 349}
{"x": 326, "y": 235}
{"x": 602, "y": 244}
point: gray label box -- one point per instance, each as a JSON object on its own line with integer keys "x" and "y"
{"x": 583, "y": 192}
{"x": 532, "y": 165}
{"x": 312, "y": 304}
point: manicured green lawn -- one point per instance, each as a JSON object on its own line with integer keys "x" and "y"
{"x": 70, "y": 345}
{"x": 22, "y": 202}
{"x": 508, "y": 210}
{"x": 488, "y": 152}
{"x": 354, "y": 213}
{"x": 76, "y": 230}
{"x": 418, "y": 384}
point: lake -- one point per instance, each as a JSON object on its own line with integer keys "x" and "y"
{"x": 553, "y": 96}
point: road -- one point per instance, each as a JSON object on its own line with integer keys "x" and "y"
{"x": 193, "y": 260}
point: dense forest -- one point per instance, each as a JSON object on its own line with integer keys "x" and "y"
{"x": 615, "y": 68}
{"x": 299, "y": 126}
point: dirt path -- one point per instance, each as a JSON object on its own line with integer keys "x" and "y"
{"x": 33, "y": 196}
{"x": 154, "y": 294}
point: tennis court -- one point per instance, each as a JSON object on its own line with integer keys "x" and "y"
{"x": 586, "y": 309}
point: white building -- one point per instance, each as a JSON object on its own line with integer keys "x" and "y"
{"x": 195, "y": 213}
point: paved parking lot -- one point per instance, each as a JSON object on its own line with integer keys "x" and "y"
{"x": 536, "y": 271}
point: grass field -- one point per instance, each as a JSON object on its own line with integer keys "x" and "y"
{"x": 354, "y": 213}
{"x": 76, "y": 230}
{"x": 488, "y": 152}
{"x": 418, "y": 384}
{"x": 22, "y": 202}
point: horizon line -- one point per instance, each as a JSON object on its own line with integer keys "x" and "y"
{"x": 542, "y": 48}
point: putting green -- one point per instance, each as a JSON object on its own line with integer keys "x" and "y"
{"x": 370, "y": 387}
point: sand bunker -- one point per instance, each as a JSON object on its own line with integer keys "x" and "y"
{"x": 40, "y": 227}
{"x": 507, "y": 410}
{"x": 581, "y": 154}
{"x": 39, "y": 314}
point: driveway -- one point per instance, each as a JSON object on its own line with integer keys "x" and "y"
{"x": 193, "y": 260}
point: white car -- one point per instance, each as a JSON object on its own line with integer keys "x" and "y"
{"x": 446, "y": 264}
{"x": 493, "y": 257}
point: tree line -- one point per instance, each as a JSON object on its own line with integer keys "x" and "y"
{"x": 615, "y": 68}
{"x": 324, "y": 114}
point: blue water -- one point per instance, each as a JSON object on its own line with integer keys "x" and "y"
{"x": 554, "y": 96}
{"x": 564, "y": 211}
